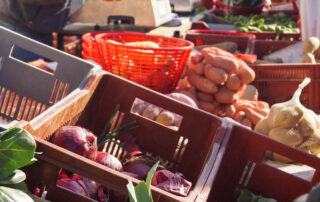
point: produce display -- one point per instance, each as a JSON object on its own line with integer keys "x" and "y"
{"x": 278, "y": 23}
{"x": 134, "y": 163}
{"x": 293, "y": 124}
{"x": 220, "y": 80}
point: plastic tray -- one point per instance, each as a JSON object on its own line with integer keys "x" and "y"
{"x": 26, "y": 91}
{"x": 277, "y": 83}
{"x": 203, "y": 136}
{"x": 206, "y": 37}
{"x": 242, "y": 166}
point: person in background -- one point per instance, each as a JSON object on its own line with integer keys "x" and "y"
{"x": 36, "y": 19}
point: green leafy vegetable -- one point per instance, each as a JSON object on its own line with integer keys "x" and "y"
{"x": 142, "y": 192}
{"x": 17, "y": 148}
{"x": 248, "y": 196}
{"x": 9, "y": 194}
{"x": 278, "y": 23}
{"x": 16, "y": 177}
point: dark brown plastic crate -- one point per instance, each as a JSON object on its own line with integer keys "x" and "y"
{"x": 277, "y": 83}
{"x": 262, "y": 48}
{"x": 203, "y": 131}
{"x": 242, "y": 166}
{"x": 207, "y": 37}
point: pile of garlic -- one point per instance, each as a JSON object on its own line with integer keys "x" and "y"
{"x": 293, "y": 124}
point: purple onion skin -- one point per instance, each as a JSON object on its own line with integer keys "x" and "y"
{"x": 171, "y": 182}
{"x": 109, "y": 160}
{"x": 77, "y": 140}
{"x": 138, "y": 168}
{"x": 74, "y": 186}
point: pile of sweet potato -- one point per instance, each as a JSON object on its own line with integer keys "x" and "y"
{"x": 219, "y": 80}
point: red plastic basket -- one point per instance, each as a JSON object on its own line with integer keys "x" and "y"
{"x": 90, "y": 48}
{"x": 157, "y": 68}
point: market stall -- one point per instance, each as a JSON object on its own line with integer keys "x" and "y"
{"x": 164, "y": 101}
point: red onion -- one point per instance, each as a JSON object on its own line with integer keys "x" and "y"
{"x": 109, "y": 160}
{"x": 171, "y": 182}
{"x": 91, "y": 186}
{"x": 77, "y": 140}
{"x": 74, "y": 186}
{"x": 138, "y": 168}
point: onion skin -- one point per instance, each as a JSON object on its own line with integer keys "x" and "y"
{"x": 171, "y": 182}
{"x": 109, "y": 160}
{"x": 74, "y": 186}
{"x": 77, "y": 140}
{"x": 138, "y": 168}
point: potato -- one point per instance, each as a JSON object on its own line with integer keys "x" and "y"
{"x": 233, "y": 82}
{"x": 151, "y": 112}
{"x": 291, "y": 137}
{"x": 315, "y": 148}
{"x": 262, "y": 126}
{"x": 206, "y": 106}
{"x": 250, "y": 93}
{"x": 224, "y": 62}
{"x": 202, "y": 84}
{"x": 165, "y": 118}
{"x": 308, "y": 58}
{"x": 205, "y": 97}
{"x": 139, "y": 107}
{"x": 190, "y": 92}
{"x": 226, "y": 96}
{"x": 280, "y": 158}
{"x": 216, "y": 75}
{"x": 310, "y": 45}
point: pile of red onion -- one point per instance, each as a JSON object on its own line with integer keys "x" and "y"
{"x": 136, "y": 164}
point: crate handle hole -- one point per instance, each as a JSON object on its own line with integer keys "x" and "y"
{"x": 39, "y": 62}
{"x": 156, "y": 114}
{"x": 288, "y": 165}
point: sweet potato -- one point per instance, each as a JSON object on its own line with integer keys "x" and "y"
{"x": 219, "y": 111}
{"x": 216, "y": 75}
{"x": 226, "y": 63}
{"x": 216, "y": 51}
{"x": 198, "y": 68}
{"x": 202, "y": 84}
{"x": 233, "y": 82}
{"x": 246, "y": 122}
{"x": 253, "y": 116}
{"x": 239, "y": 116}
{"x": 206, "y": 106}
{"x": 205, "y": 97}
{"x": 245, "y": 73}
{"x": 230, "y": 110}
{"x": 196, "y": 58}
{"x": 226, "y": 96}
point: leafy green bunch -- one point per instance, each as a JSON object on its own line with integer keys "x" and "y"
{"x": 17, "y": 148}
